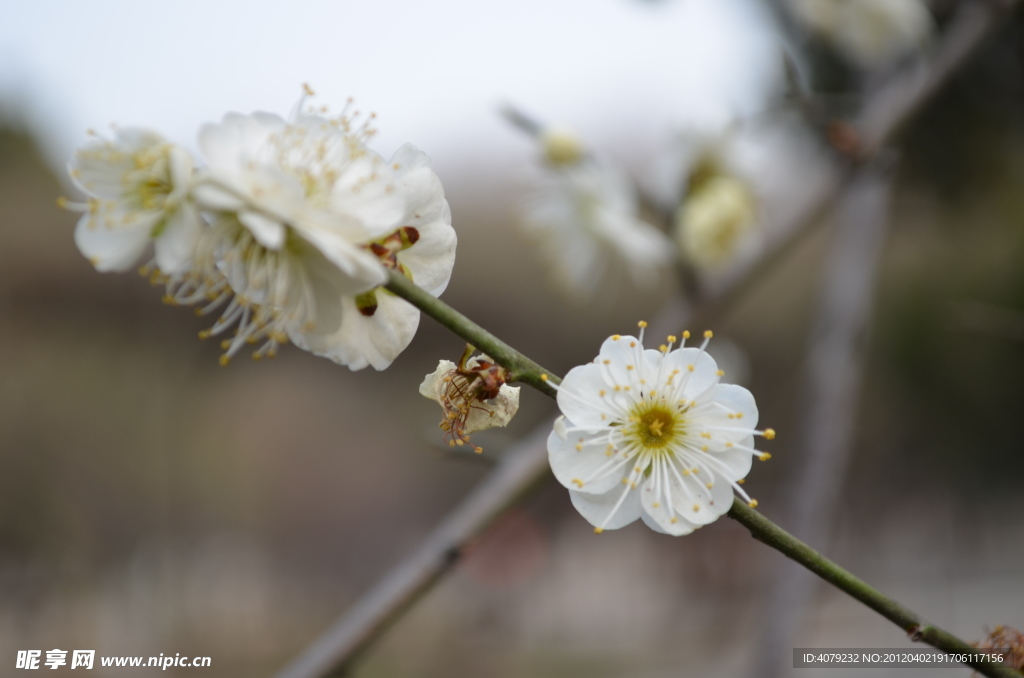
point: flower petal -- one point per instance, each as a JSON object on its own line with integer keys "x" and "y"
{"x": 116, "y": 248}
{"x": 176, "y": 244}
{"x": 268, "y": 232}
{"x": 658, "y": 513}
{"x": 609, "y": 511}
{"x": 369, "y": 340}
{"x": 588, "y": 469}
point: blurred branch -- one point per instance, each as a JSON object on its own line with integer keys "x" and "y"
{"x": 884, "y": 114}
{"x": 916, "y": 628}
{"x": 828, "y": 401}
{"x": 523, "y": 467}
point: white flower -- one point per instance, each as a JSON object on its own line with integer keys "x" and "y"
{"x": 468, "y": 398}
{"x": 138, "y": 186}
{"x": 717, "y": 207}
{"x": 308, "y": 221}
{"x": 585, "y": 215}
{"x": 871, "y": 33}
{"x": 714, "y": 219}
{"x": 377, "y": 325}
{"x": 653, "y": 434}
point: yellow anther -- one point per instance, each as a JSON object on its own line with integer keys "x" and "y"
{"x": 765, "y": 456}
{"x": 674, "y": 520}
{"x": 204, "y": 334}
{"x": 632, "y": 344}
{"x": 607, "y": 362}
{"x": 728, "y": 445}
{"x": 478, "y": 450}
{"x": 625, "y": 481}
{"x": 696, "y": 508}
{"x": 602, "y": 393}
{"x": 663, "y": 348}
{"x": 642, "y": 324}
{"x": 224, "y": 360}
{"x": 753, "y": 503}
{"x": 705, "y": 434}
{"x": 739, "y": 415}
{"x": 741, "y": 481}
{"x": 704, "y": 449}
{"x": 708, "y": 334}
{"x": 709, "y": 485}
{"x": 543, "y": 377}
{"x": 630, "y": 368}
{"x": 579, "y": 448}
{"x": 691, "y": 368}
{"x": 616, "y": 337}
{"x": 686, "y": 334}
{"x": 598, "y": 530}
{"x": 656, "y": 505}
{"x": 720, "y": 373}
{"x": 769, "y": 434}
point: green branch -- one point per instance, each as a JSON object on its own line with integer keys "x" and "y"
{"x": 770, "y": 534}
{"x": 525, "y": 370}
{"x": 519, "y": 366}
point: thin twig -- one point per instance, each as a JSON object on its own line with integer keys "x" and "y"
{"x": 356, "y": 630}
{"x": 919, "y": 630}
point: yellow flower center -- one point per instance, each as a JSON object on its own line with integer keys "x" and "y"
{"x": 655, "y": 424}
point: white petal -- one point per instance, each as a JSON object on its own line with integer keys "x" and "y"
{"x": 658, "y": 513}
{"x": 362, "y": 271}
{"x": 431, "y": 259}
{"x": 698, "y": 503}
{"x": 177, "y": 243}
{"x": 215, "y": 198}
{"x": 116, "y": 248}
{"x": 370, "y": 340}
{"x": 737, "y": 462}
{"x": 431, "y": 385}
{"x": 268, "y": 232}
{"x": 573, "y": 467}
{"x": 493, "y": 413}
{"x": 698, "y": 372}
{"x": 600, "y": 509}
{"x": 579, "y": 397}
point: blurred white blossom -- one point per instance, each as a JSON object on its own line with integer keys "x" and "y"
{"x": 653, "y": 434}
{"x": 718, "y": 211}
{"x": 584, "y": 215}
{"x": 138, "y": 187}
{"x": 871, "y": 33}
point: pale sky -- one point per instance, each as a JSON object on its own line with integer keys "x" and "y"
{"x": 621, "y": 71}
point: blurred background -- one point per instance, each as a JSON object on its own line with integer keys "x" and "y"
{"x": 153, "y": 502}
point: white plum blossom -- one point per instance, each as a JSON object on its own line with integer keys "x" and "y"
{"x": 306, "y": 222}
{"x": 717, "y": 213}
{"x": 585, "y": 216}
{"x": 871, "y": 33}
{"x": 138, "y": 187}
{"x": 653, "y": 434}
{"x": 462, "y": 394}
{"x": 714, "y": 219}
